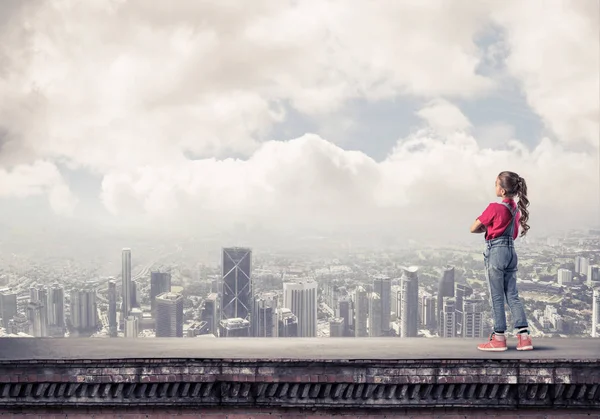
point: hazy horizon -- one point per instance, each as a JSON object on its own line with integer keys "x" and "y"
{"x": 390, "y": 119}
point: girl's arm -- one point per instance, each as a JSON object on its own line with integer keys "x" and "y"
{"x": 478, "y": 227}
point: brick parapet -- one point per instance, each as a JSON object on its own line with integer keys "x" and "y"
{"x": 301, "y": 383}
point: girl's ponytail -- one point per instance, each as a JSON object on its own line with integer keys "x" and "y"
{"x": 523, "y": 204}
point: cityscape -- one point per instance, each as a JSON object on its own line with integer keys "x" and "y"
{"x": 399, "y": 291}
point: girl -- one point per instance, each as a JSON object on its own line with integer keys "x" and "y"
{"x": 500, "y": 223}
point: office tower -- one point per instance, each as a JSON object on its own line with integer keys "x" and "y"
{"x": 287, "y": 323}
{"x": 463, "y": 291}
{"x": 210, "y": 313}
{"x": 336, "y": 327}
{"x": 595, "y": 311}
{"x": 56, "y": 311}
{"x": 264, "y": 317}
{"x": 133, "y": 295}
{"x": 236, "y": 301}
{"x": 428, "y": 311}
{"x": 448, "y": 318}
{"x": 473, "y": 318}
{"x": 112, "y": 308}
{"x": 8, "y": 306}
{"x": 169, "y": 315}
{"x": 160, "y": 282}
{"x": 445, "y": 289}
{"x": 84, "y": 310}
{"x": 346, "y": 312}
{"x": 131, "y": 327}
{"x": 126, "y": 285}
{"x": 37, "y": 319}
{"x": 234, "y": 328}
{"x": 593, "y": 275}
{"x": 410, "y": 302}
{"x": 582, "y": 265}
{"x": 375, "y": 304}
{"x": 33, "y": 294}
{"x": 396, "y": 299}
{"x": 361, "y": 312}
{"x": 564, "y": 276}
{"x": 382, "y": 285}
{"x": 301, "y": 298}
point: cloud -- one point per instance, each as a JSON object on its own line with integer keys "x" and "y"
{"x": 444, "y": 117}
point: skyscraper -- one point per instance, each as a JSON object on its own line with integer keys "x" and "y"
{"x": 581, "y": 265}
{"x": 473, "y": 318}
{"x": 160, "y": 282}
{"x": 375, "y": 314}
{"x": 264, "y": 318}
{"x": 210, "y": 313}
{"x": 112, "y": 308}
{"x": 336, "y": 327}
{"x": 428, "y": 311}
{"x": 234, "y": 328}
{"x": 169, "y": 315}
{"x": 236, "y": 301}
{"x": 126, "y": 277}
{"x": 396, "y": 300}
{"x": 593, "y": 275}
{"x": 445, "y": 289}
{"x": 8, "y": 306}
{"x": 288, "y": 323}
{"x": 37, "y": 319}
{"x": 410, "y": 302}
{"x": 131, "y": 327}
{"x": 84, "y": 310}
{"x": 595, "y": 311}
{"x": 346, "y": 312}
{"x": 463, "y": 291}
{"x": 382, "y": 285}
{"x": 56, "y": 311}
{"x": 301, "y": 298}
{"x": 564, "y": 276}
{"x": 361, "y": 312}
{"x": 448, "y": 318}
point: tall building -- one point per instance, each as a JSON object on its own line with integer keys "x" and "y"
{"x": 336, "y": 327}
{"x": 448, "y": 318}
{"x": 234, "y": 328}
{"x": 287, "y": 323}
{"x": 463, "y": 291}
{"x": 160, "y": 282}
{"x": 210, "y": 313}
{"x": 8, "y": 306}
{"x": 112, "y": 308}
{"x": 126, "y": 278}
{"x": 361, "y": 312}
{"x": 264, "y": 317}
{"x": 236, "y": 301}
{"x": 382, "y": 285}
{"x": 169, "y": 315}
{"x": 593, "y": 275}
{"x": 84, "y": 310}
{"x": 410, "y": 302}
{"x": 564, "y": 276}
{"x": 301, "y": 298}
{"x": 131, "y": 327}
{"x": 56, "y": 311}
{"x": 346, "y": 312}
{"x": 445, "y": 289}
{"x": 375, "y": 314}
{"x": 133, "y": 295}
{"x": 581, "y": 265}
{"x": 428, "y": 311}
{"x": 473, "y": 318}
{"x": 595, "y": 312}
{"x": 37, "y": 319}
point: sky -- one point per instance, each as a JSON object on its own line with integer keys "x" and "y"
{"x": 387, "y": 117}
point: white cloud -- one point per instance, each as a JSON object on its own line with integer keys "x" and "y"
{"x": 130, "y": 90}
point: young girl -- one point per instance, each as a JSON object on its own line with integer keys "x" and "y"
{"x": 500, "y": 223}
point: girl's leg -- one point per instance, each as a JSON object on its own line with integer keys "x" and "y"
{"x": 495, "y": 280}
{"x": 514, "y": 302}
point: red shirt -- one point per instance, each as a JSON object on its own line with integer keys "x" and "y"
{"x": 496, "y": 219}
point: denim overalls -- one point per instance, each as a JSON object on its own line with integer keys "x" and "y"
{"x": 501, "y": 271}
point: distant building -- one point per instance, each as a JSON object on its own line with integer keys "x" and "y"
{"x": 234, "y": 328}
{"x": 564, "y": 276}
{"x": 462, "y": 291}
{"x": 593, "y": 276}
{"x": 301, "y": 298}
{"x": 448, "y": 318}
{"x": 473, "y": 318}
{"x": 8, "y": 306}
{"x": 428, "y": 311}
{"x": 336, "y": 327}
{"x": 595, "y": 311}
{"x": 346, "y": 312}
{"x": 410, "y": 302}
{"x": 210, "y": 313}
{"x": 84, "y": 310}
{"x": 160, "y": 282}
{"x": 382, "y": 285}
{"x": 112, "y": 308}
{"x": 287, "y": 323}
{"x": 237, "y": 298}
{"x": 361, "y": 312}
{"x": 264, "y": 318}
{"x": 56, "y": 311}
{"x": 581, "y": 265}
{"x": 197, "y": 329}
{"x": 169, "y": 315}
{"x": 37, "y": 319}
{"x": 396, "y": 292}
{"x": 126, "y": 282}
{"x": 132, "y": 327}
{"x": 375, "y": 307}
{"x": 445, "y": 289}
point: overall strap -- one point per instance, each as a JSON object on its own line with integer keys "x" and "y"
{"x": 510, "y": 230}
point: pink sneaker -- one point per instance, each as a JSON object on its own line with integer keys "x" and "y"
{"x": 495, "y": 344}
{"x": 524, "y": 342}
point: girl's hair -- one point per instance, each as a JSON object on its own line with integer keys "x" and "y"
{"x": 514, "y": 184}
